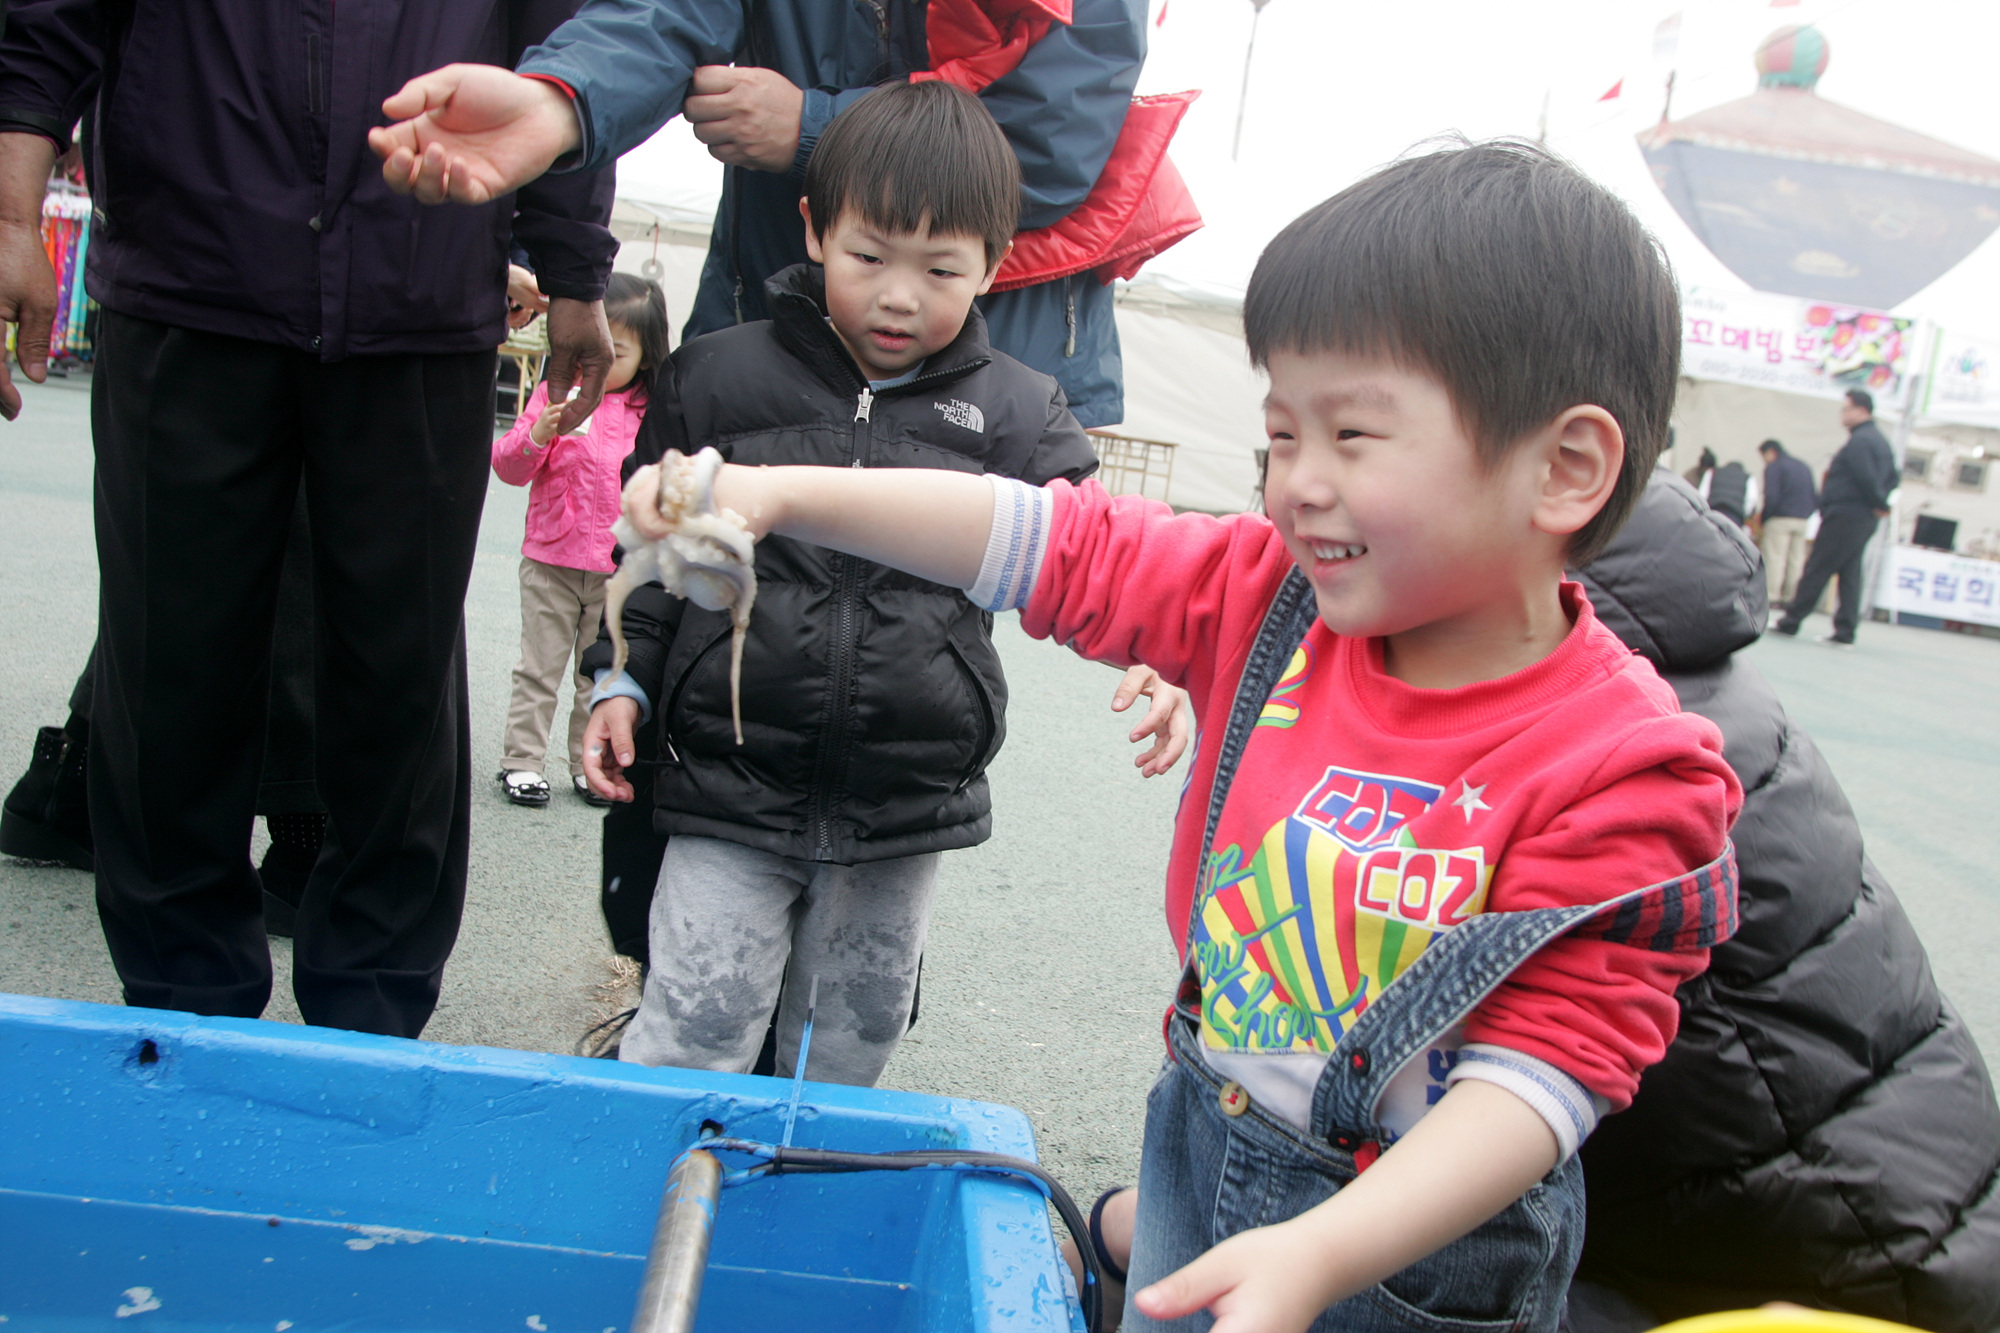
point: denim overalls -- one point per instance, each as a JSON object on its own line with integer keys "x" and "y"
{"x": 1216, "y": 1165}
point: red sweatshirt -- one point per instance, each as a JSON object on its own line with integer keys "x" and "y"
{"x": 1367, "y": 815}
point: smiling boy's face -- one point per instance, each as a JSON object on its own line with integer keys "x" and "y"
{"x": 895, "y": 298}
{"x": 1381, "y": 498}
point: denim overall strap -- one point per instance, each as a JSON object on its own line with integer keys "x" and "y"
{"x": 1286, "y": 623}
{"x": 1450, "y": 978}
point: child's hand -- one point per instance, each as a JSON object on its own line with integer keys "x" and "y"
{"x": 607, "y": 747}
{"x": 524, "y": 297}
{"x": 1275, "y": 1279}
{"x": 1166, "y": 721}
{"x": 546, "y": 424}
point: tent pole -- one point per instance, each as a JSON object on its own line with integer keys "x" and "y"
{"x": 1249, "y": 52}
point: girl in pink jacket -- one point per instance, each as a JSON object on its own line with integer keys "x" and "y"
{"x": 566, "y": 554}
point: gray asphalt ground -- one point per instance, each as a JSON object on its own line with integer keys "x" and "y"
{"x": 1049, "y": 961}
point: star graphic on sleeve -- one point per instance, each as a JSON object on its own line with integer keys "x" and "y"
{"x": 1468, "y": 798}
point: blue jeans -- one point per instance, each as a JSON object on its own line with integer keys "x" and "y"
{"x": 1206, "y": 1176}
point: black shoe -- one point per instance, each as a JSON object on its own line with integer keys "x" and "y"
{"x": 1786, "y": 628}
{"x": 45, "y": 817}
{"x": 523, "y": 787}
{"x": 589, "y": 794}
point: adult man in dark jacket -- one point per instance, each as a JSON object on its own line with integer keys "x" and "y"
{"x": 1823, "y": 1129}
{"x": 1789, "y": 501}
{"x": 793, "y": 65}
{"x": 273, "y": 310}
{"x": 1855, "y": 495}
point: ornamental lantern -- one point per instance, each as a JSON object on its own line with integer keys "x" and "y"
{"x": 1799, "y": 195}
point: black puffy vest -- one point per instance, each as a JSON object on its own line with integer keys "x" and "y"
{"x": 1823, "y": 1129}
{"x": 872, "y": 700}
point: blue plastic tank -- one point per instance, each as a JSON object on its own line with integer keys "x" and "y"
{"x": 164, "y": 1173}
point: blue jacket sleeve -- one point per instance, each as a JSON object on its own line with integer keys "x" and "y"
{"x": 629, "y": 62}
{"x": 562, "y": 221}
{"x": 1064, "y": 104}
{"x": 1061, "y": 108}
{"x": 50, "y": 64}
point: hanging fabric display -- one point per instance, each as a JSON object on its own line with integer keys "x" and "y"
{"x": 66, "y": 236}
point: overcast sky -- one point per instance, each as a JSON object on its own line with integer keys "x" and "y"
{"x": 1340, "y": 86}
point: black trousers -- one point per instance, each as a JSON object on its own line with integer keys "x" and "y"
{"x": 203, "y": 442}
{"x": 287, "y": 786}
{"x": 1836, "y": 553}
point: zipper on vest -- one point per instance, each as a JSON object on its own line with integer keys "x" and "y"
{"x": 840, "y": 654}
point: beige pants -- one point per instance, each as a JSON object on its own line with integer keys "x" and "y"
{"x": 1784, "y": 546}
{"x": 560, "y": 612}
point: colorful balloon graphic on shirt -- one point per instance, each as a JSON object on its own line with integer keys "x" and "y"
{"x": 1282, "y": 709}
{"x": 1335, "y": 903}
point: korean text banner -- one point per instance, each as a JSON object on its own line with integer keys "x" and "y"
{"x": 1937, "y": 583}
{"x": 1794, "y": 346}
{"x": 1964, "y": 387}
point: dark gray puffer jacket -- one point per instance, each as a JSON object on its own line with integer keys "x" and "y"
{"x": 1823, "y": 1130}
{"x": 872, "y": 700}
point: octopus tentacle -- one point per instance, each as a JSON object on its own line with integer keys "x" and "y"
{"x": 673, "y": 533}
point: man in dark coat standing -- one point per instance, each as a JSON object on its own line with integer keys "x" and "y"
{"x": 1789, "y": 502}
{"x": 272, "y": 312}
{"x": 1854, "y": 496}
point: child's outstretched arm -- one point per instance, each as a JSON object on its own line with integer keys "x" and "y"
{"x": 1480, "y": 1148}
{"x": 933, "y": 524}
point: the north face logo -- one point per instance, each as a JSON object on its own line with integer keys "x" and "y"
{"x": 963, "y": 414}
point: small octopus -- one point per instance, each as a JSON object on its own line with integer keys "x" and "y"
{"x": 674, "y": 535}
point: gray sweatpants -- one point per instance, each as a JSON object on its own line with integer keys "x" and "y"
{"x": 727, "y": 919}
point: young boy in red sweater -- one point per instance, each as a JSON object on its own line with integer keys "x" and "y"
{"x": 1449, "y": 847}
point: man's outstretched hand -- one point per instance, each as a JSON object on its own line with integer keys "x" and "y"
{"x": 471, "y": 133}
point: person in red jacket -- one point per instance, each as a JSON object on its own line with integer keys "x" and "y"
{"x": 1449, "y": 847}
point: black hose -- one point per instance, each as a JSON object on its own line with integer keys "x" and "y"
{"x": 822, "y": 1161}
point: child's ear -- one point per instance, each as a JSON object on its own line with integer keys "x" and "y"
{"x": 813, "y": 251}
{"x": 993, "y": 270}
{"x": 1583, "y": 453}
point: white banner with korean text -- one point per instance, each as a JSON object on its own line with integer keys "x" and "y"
{"x": 1937, "y": 583}
{"x": 1793, "y": 345}
{"x": 1964, "y": 385}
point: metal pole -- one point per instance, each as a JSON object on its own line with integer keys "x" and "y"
{"x": 674, "y": 1268}
{"x": 1249, "y": 52}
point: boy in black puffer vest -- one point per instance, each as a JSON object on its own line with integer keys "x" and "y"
{"x": 872, "y": 701}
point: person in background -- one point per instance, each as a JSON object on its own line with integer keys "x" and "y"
{"x": 1790, "y": 500}
{"x": 1852, "y": 500}
{"x": 273, "y": 312}
{"x": 759, "y": 83}
{"x": 1823, "y": 1130}
{"x": 566, "y": 553}
{"x": 1731, "y": 491}
{"x": 1702, "y": 467}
